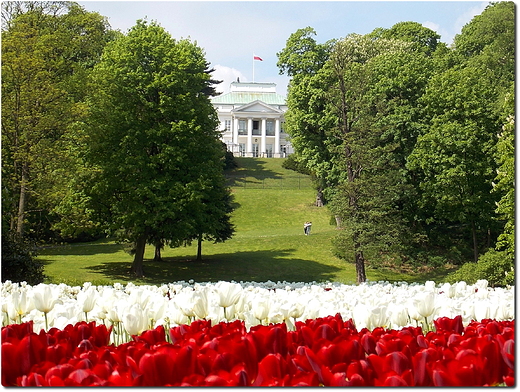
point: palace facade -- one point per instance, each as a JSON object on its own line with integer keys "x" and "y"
{"x": 251, "y": 120}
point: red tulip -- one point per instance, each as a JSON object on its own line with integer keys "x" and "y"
{"x": 271, "y": 371}
{"x": 508, "y": 353}
{"x": 157, "y": 369}
{"x": 422, "y": 362}
{"x": 32, "y": 380}
{"x": 449, "y": 325}
{"x": 16, "y": 331}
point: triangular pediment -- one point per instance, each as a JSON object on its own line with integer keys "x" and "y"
{"x": 257, "y": 106}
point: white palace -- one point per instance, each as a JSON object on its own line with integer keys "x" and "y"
{"x": 251, "y": 120}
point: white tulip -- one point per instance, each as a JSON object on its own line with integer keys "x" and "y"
{"x": 175, "y": 314}
{"x": 44, "y": 298}
{"x": 296, "y": 310}
{"x": 377, "y": 317}
{"x": 449, "y": 290}
{"x": 134, "y": 320}
{"x": 425, "y": 304}
{"x": 484, "y": 309}
{"x": 260, "y": 307}
{"x": 22, "y": 303}
{"x": 201, "y": 304}
{"x": 185, "y": 300}
{"x": 361, "y": 316}
{"x": 398, "y": 315}
{"x": 228, "y": 293}
{"x": 412, "y": 312}
{"x": 87, "y": 299}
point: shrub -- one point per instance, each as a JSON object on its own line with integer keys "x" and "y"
{"x": 291, "y": 163}
{"x": 18, "y": 260}
{"x": 230, "y": 162}
{"x": 497, "y": 267}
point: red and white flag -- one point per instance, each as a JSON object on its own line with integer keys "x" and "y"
{"x": 257, "y": 58}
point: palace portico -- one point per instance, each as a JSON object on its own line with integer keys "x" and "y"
{"x": 251, "y": 117}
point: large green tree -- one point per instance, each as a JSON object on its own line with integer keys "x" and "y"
{"x": 301, "y": 59}
{"x": 48, "y": 49}
{"x": 505, "y": 178}
{"x": 336, "y": 125}
{"x": 454, "y": 158}
{"x": 153, "y": 141}
{"x": 462, "y": 116}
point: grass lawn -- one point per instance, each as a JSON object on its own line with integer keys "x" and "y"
{"x": 269, "y": 244}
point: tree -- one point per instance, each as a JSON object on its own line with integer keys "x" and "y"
{"x": 454, "y": 158}
{"x": 331, "y": 118}
{"x": 365, "y": 194}
{"x": 301, "y": 59}
{"x": 19, "y": 263}
{"x": 153, "y": 140}
{"x": 422, "y": 38}
{"x": 47, "y": 50}
{"x": 462, "y": 118}
{"x": 505, "y": 178}
{"x": 489, "y": 41}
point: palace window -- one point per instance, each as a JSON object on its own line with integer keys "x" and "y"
{"x": 269, "y": 128}
{"x": 256, "y": 127}
{"x": 242, "y": 127}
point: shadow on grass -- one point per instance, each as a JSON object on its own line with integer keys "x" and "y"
{"x": 258, "y": 266}
{"x": 250, "y": 171}
{"x": 437, "y": 275}
{"x": 105, "y": 246}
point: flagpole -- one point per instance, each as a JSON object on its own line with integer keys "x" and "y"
{"x": 253, "y": 67}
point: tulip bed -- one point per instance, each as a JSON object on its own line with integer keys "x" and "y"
{"x": 258, "y": 334}
{"x": 322, "y": 352}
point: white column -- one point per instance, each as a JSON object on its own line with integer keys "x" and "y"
{"x": 235, "y": 131}
{"x": 249, "y": 148}
{"x": 262, "y": 145}
{"x": 277, "y": 138}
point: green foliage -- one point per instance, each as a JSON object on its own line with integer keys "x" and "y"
{"x": 505, "y": 186}
{"x": 302, "y": 55}
{"x": 47, "y": 52}
{"x": 292, "y": 163}
{"x": 497, "y": 267}
{"x": 153, "y": 143}
{"x": 19, "y": 262}
{"x": 489, "y": 41}
{"x": 453, "y": 158}
{"x": 423, "y": 39}
{"x": 230, "y": 162}
{"x": 402, "y": 132}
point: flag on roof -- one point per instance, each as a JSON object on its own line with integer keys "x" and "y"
{"x": 257, "y": 58}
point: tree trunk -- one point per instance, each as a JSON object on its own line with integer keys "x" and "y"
{"x": 199, "y": 248}
{"x": 137, "y": 265}
{"x": 23, "y": 200}
{"x": 475, "y": 246}
{"x": 360, "y": 268}
{"x": 338, "y": 221}
{"x": 157, "y": 255}
{"x": 319, "y": 198}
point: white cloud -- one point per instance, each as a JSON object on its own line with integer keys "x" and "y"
{"x": 466, "y": 17}
{"x": 432, "y": 26}
{"x": 227, "y": 75}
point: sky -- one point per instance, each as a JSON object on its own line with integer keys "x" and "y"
{"x": 231, "y": 32}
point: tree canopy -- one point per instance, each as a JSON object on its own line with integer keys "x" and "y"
{"x": 153, "y": 143}
{"x": 402, "y": 130}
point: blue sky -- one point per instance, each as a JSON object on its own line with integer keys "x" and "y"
{"x": 231, "y": 31}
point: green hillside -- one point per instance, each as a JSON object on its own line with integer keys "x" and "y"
{"x": 269, "y": 243}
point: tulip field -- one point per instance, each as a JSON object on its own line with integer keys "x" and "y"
{"x": 258, "y": 334}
